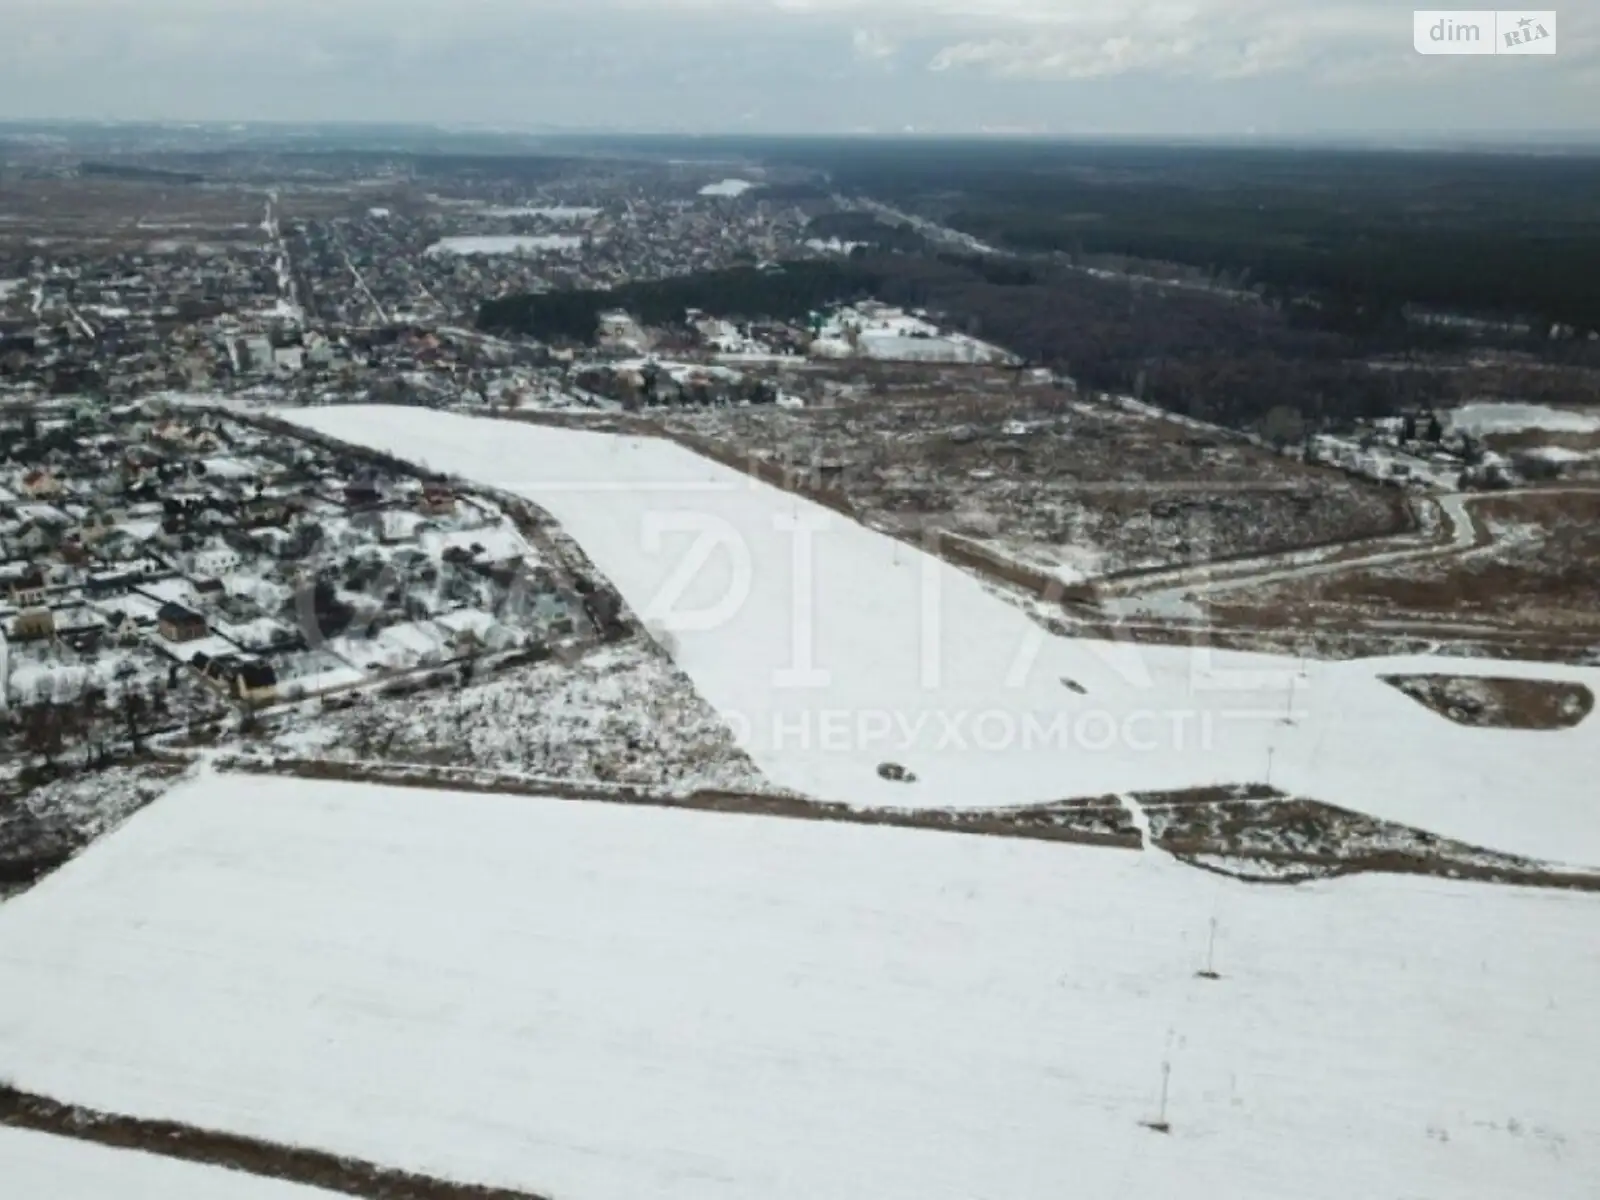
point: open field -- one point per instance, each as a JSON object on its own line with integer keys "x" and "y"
{"x": 857, "y": 652}
{"x": 1076, "y": 489}
{"x": 1252, "y": 832}
{"x": 121, "y": 214}
{"x": 599, "y": 1002}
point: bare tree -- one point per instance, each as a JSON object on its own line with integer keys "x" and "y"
{"x": 42, "y": 731}
{"x": 133, "y": 713}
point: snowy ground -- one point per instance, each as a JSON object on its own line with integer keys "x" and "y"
{"x": 1489, "y": 417}
{"x": 564, "y": 212}
{"x": 509, "y": 244}
{"x": 727, "y": 188}
{"x": 598, "y": 1002}
{"x": 38, "y": 1167}
{"x": 832, "y": 653}
{"x": 620, "y": 714}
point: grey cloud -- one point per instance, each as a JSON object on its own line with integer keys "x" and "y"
{"x": 1150, "y": 67}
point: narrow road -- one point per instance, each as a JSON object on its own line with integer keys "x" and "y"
{"x": 383, "y": 317}
{"x": 1140, "y": 819}
{"x": 1457, "y": 531}
{"x": 1173, "y": 600}
{"x": 288, "y": 299}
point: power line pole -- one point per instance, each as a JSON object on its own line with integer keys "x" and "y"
{"x": 1211, "y": 954}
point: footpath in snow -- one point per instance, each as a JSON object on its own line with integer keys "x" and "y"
{"x": 831, "y": 650}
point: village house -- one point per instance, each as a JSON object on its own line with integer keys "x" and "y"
{"x": 40, "y": 484}
{"x": 268, "y": 510}
{"x": 28, "y": 588}
{"x": 256, "y": 683}
{"x": 215, "y": 560}
{"x": 179, "y": 624}
{"x": 362, "y": 493}
{"x": 95, "y": 526}
{"x": 438, "y": 500}
{"x": 33, "y": 624}
{"x": 36, "y": 538}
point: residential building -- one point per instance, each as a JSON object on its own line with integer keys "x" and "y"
{"x": 33, "y": 624}
{"x": 179, "y": 624}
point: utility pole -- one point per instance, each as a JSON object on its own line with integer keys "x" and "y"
{"x": 1160, "y": 1125}
{"x": 1211, "y": 954}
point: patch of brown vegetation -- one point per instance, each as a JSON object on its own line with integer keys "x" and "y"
{"x": 1539, "y": 704}
{"x": 1261, "y": 835}
{"x": 44, "y": 823}
{"x": 233, "y": 1152}
{"x": 1035, "y": 476}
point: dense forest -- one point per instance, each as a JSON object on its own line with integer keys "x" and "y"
{"x": 1192, "y": 352}
{"x": 1365, "y": 232}
{"x": 867, "y": 230}
{"x": 1495, "y": 235}
{"x": 1328, "y": 256}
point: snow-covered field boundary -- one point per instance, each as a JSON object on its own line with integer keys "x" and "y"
{"x": 1081, "y": 821}
{"x": 992, "y": 822}
{"x": 171, "y": 1160}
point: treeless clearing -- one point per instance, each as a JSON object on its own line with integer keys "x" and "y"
{"x": 1073, "y": 488}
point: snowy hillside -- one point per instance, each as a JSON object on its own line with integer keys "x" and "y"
{"x": 599, "y": 1002}
{"x": 834, "y": 650}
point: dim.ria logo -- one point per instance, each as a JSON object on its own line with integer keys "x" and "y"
{"x": 1484, "y": 31}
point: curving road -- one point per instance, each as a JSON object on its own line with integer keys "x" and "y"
{"x": 1453, "y": 531}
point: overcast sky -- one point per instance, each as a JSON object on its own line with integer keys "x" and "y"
{"x": 1182, "y": 68}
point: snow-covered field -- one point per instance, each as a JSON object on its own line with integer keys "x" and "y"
{"x": 507, "y": 244}
{"x": 837, "y": 650}
{"x": 1491, "y": 417}
{"x": 727, "y": 188}
{"x": 34, "y": 1166}
{"x": 560, "y": 212}
{"x": 599, "y": 1002}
